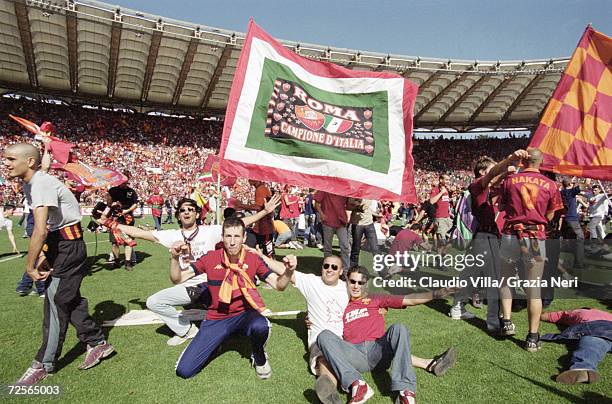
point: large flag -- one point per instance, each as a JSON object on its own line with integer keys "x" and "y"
{"x": 210, "y": 172}
{"x": 294, "y": 120}
{"x": 575, "y": 132}
{"x": 90, "y": 177}
{"x": 58, "y": 148}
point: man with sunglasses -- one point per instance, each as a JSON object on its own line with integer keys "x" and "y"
{"x": 198, "y": 239}
{"x": 327, "y": 299}
{"x": 365, "y": 345}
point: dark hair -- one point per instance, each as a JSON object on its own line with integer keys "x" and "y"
{"x": 416, "y": 226}
{"x": 233, "y": 222}
{"x": 187, "y": 201}
{"x": 482, "y": 164}
{"x": 360, "y": 270}
{"x": 228, "y": 212}
{"x": 394, "y": 230}
{"x": 9, "y": 206}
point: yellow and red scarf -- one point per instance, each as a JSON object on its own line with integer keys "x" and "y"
{"x": 235, "y": 278}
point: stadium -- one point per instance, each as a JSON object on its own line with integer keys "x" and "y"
{"x": 146, "y": 96}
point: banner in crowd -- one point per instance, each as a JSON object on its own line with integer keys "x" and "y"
{"x": 575, "y": 132}
{"x": 210, "y": 172}
{"x": 294, "y": 120}
{"x": 94, "y": 177}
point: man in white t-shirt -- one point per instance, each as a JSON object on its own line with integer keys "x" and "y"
{"x": 7, "y": 223}
{"x": 189, "y": 288}
{"x": 598, "y": 209}
{"x": 326, "y": 298}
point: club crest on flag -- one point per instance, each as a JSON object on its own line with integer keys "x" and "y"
{"x": 303, "y": 118}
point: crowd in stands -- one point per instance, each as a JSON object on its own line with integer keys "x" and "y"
{"x": 167, "y": 154}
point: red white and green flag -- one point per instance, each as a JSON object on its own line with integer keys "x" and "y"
{"x": 294, "y": 120}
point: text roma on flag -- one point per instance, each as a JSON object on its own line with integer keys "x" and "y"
{"x": 298, "y": 121}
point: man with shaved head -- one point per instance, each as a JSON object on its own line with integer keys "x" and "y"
{"x": 530, "y": 201}
{"x": 57, "y": 223}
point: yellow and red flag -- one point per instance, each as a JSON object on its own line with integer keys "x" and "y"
{"x": 575, "y": 132}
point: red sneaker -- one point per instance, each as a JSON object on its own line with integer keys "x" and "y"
{"x": 406, "y": 397}
{"x": 96, "y": 354}
{"x": 33, "y": 375}
{"x": 360, "y": 392}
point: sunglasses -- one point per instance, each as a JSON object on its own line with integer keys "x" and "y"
{"x": 183, "y": 210}
{"x": 333, "y": 266}
{"x": 361, "y": 283}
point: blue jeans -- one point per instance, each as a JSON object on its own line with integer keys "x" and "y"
{"x": 26, "y": 283}
{"x": 391, "y": 350}
{"x": 357, "y": 232}
{"x": 214, "y": 332}
{"x": 282, "y": 238}
{"x": 157, "y": 222}
{"x": 311, "y": 233}
{"x": 591, "y": 350}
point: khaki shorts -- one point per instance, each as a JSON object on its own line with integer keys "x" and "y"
{"x": 444, "y": 224}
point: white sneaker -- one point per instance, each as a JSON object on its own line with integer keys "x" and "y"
{"x": 264, "y": 371}
{"x": 178, "y": 340}
{"x": 458, "y": 312}
{"x": 607, "y": 257}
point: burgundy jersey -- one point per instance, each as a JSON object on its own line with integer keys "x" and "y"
{"x": 528, "y": 197}
{"x": 363, "y": 322}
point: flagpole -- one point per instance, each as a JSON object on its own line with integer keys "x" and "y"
{"x": 219, "y": 197}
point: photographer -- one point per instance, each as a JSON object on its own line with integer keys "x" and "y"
{"x": 123, "y": 200}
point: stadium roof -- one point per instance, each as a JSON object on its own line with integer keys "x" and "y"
{"x": 92, "y": 52}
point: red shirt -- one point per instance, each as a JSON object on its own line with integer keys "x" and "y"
{"x": 443, "y": 204}
{"x": 528, "y": 197}
{"x": 482, "y": 208}
{"x": 405, "y": 240}
{"x": 292, "y": 209}
{"x": 333, "y": 207}
{"x": 156, "y": 203}
{"x": 574, "y": 317}
{"x": 210, "y": 264}
{"x": 362, "y": 321}
{"x": 264, "y": 225}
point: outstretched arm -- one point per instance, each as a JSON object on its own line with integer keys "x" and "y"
{"x": 414, "y": 299}
{"x": 269, "y": 207}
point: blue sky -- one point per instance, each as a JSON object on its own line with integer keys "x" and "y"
{"x": 458, "y": 29}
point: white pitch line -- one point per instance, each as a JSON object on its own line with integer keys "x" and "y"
{"x": 20, "y": 255}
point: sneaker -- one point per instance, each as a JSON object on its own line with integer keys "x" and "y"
{"x": 607, "y": 257}
{"x": 129, "y": 266}
{"x": 458, "y": 312}
{"x": 33, "y": 375}
{"x": 264, "y": 371}
{"x": 573, "y": 376}
{"x": 326, "y": 390}
{"x": 476, "y": 302}
{"x": 95, "y": 354}
{"x": 508, "y": 328}
{"x": 406, "y": 397}
{"x": 42, "y": 295}
{"x": 319, "y": 246}
{"x": 24, "y": 292}
{"x": 443, "y": 362}
{"x": 533, "y": 344}
{"x": 178, "y": 340}
{"x": 360, "y": 392}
